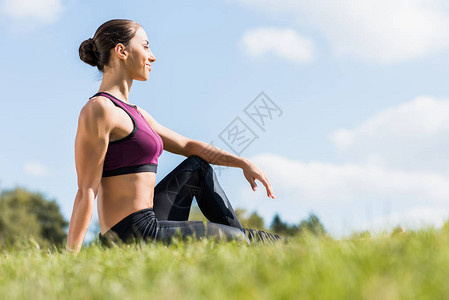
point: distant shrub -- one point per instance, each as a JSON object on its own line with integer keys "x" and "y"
{"x": 26, "y": 215}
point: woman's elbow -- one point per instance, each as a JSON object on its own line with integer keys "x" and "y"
{"x": 86, "y": 194}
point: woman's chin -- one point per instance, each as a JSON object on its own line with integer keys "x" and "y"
{"x": 145, "y": 78}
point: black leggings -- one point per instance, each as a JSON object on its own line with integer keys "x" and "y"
{"x": 173, "y": 197}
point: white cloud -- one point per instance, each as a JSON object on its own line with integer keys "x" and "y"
{"x": 35, "y": 169}
{"x": 397, "y": 159}
{"x": 375, "y": 30}
{"x": 284, "y": 43}
{"x": 413, "y": 218}
{"x": 347, "y": 183}
{"x": 411, "y": 136}
{"x": 348, "y": 197}
{"x": 45, "y": 11}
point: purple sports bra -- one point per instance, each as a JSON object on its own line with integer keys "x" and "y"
{"x": 135, "y": 153}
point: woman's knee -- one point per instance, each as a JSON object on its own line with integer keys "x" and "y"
{"x": 198, "y": 161}
{"x": 196, "y": 158}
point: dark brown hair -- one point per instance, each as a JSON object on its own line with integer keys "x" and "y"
{"x": 96, "y": 51}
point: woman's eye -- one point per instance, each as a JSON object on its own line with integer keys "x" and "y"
{"x": 146, "y": 47}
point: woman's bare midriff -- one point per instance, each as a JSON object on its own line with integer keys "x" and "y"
{"x": 120, "y": 196}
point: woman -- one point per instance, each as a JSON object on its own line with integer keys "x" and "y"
{"x": 117, "y": 147}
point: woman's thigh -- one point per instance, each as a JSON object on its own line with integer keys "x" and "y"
{"x": 193, "y": 177}
{"x": 173, "y": 195}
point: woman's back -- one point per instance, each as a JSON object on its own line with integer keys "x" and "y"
{"x": 130, "y": 164}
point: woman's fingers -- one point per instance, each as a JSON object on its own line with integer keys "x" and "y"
{"x": 254, "y": 185}
{"x": 251, "y": 173}
{"x": 267, "y": 185}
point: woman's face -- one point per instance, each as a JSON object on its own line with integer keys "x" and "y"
{"x": 140, "y": 57}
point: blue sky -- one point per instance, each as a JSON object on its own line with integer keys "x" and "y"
{"x": 362, "y": 86}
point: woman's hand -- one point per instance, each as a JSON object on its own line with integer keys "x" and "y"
{"x": 252, "y": 172}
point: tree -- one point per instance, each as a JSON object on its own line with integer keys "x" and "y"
{"x": 279, "y": 227}
{"x": 312, "y": 225}
{"x": 24, "y": 214}
{"x": 254, "y": 221}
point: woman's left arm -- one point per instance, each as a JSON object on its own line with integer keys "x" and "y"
{"x": 221, "y": 157}
{"x": 178, "y": 144}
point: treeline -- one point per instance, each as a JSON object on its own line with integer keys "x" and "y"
{"x": 26, "y": 216}
{"x": 311, "y": 224}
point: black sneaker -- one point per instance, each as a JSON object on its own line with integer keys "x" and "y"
{"x": 259, "y": 236}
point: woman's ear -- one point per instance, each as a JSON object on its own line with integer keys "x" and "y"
{"x": 120, "y": 51}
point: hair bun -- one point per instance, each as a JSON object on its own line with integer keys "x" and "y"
{"x": 87, "y": 52}
{"x": 97, "y": 52}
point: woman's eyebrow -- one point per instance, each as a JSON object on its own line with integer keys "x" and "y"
{"x": 147, "y": 42}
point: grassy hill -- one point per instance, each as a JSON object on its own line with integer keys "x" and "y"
{"x": 409, "y": 265}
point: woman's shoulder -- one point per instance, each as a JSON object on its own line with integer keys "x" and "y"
{"x": 97, "y": 105}
{"x": 97, "y": 108}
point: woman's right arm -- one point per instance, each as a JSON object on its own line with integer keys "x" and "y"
{"x": 91, "y": 143}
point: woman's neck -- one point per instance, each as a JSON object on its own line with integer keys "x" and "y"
{"x": 117, "y": 83}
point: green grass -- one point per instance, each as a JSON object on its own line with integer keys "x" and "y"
{"x": 411, "y": 265}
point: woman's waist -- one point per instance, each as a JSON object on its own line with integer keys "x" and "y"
{"x": 128, "y": 187}
{"x": 108, "y": 218}
{"x": 132, "y": 221}
{"x": 142, "y": 178}
{"x": 121, "y": 196}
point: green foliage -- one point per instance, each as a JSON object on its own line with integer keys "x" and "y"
{"x": 361, "y": 235}
{"x": 279, "y": 227}
{"x": 397, "y": 230}
{"x": 196, "y": 214}
{"x": 311, "y": 225}
{"x": 446, "y": 227}
{"x": 254, "y": 221}
{"x": 411, "y": 265}
{"x": 25, "y": 215}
